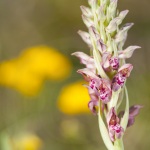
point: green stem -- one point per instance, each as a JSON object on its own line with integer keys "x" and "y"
{"x": 118, "y": 144}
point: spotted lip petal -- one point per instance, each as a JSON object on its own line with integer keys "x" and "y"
{"x": 126, "y": 69}
{"x": 102, "y": 89}
{"x": 109, "y": 62}
{"x": 112, "y": 117}
{"x": 114, "y": 63}
{"x": 115, "y": 130}
{"x": 105, "y": 92}
{"x": 120, "y": 78}
{"x": 118, "y": 82}
{"x": 94, "y": 84}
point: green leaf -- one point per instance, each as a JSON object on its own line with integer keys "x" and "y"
{"x": 124, "y": 120}
{"x": 104, "y": 132}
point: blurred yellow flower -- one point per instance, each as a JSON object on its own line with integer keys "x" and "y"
{"x": 70, "y": 128}
{"x": 47, "y": 62}
{"x": 20, "y": 141}
{"x": 74, "y": 99}
{"x": 19, "y": 77}
{"x": 27, "y": 72}
{"x": 27, "y": 142}
{"x": 8, "y": 72}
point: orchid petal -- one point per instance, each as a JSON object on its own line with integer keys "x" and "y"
{"x": 83, "y": 57}
{"x": 122, "y": 15}
{"x": 87, "y": 21}
{"x": 122, "y": 33}
{"x": 126, "y": 69}
{"x": 86, "y": 11}
{"x": 120, "y": 78}
{"x": 105, "y": 92}
{"x": 113, "y": 25}
{"x": 105, "y": 60}
{"x": 92, "y": 106}
{"x": 85, "y": 37}
{"x": 115, "y": 130}
{"x": 93, "y": 32}
{"x": 96, "y": 37}
{"x": 86, "y": 60}
{"x": 92, "y": 94}
{"x": 87, "y": 74}
{"x": 101, "y": 46}
{"x": 133, "y": 112}
{"x": 127, "y": 53}
{"x": 121, "y": 36}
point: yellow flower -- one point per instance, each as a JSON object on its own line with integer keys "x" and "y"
{"x": 27, "y": 72}
{"x": 47, "y": 62}
{"x": 28, "y": 142}
{"x": 8, "y": 73}
{"x": 21, "y": 141}
{"x": 74, "y": 99}
{"x": 19, "y": 77}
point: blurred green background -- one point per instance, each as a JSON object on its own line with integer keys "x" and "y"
{"x": 35, "y": 121}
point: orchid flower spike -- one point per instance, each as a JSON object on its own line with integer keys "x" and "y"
{"x": 106, "y": 71}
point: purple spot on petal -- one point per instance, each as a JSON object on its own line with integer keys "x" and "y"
{"x": 114, "y": 63}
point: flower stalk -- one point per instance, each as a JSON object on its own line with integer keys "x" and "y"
{"x": 106, "y": 69}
